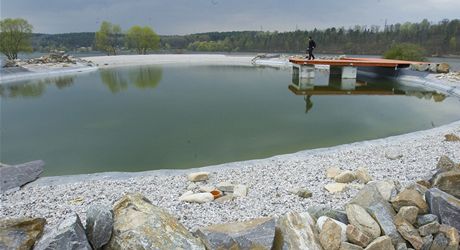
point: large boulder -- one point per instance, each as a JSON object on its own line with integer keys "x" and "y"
{"x": 361, "y": 219}
{"x": 381, "y": 243}
{"x": 409, "y": 232}
{"x": 18, "y": 175}
{"x": 343, "y": 228}
{"x": 410, "y": 197}
{"x": 252, "y": 234}
{"x": 448, "y": 182}
{"x": 296, "y": 231}
{"x": 138, "y": 224}
{"x": 452, "y": 235}
{"x": 443, "y": 68}
{"x": 445, "y": 206}
{"x": 99, "y": 224}
{"x": 356, "y": 236}
{"x": 375, "y": 191}
{"x": 69, "y": 234}
{"x": 20, "y": 233}
{"x": 445, "y": 164}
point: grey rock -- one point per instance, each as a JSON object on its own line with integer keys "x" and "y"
{"x": 372, "y": 193}
{"x": 18, "y": 175}
{"x": 430, "y": 228}
{"x": 316, "y": 212}
{"x": 296, "y": 231}
{"x": 427, "y": 241}
{"x": 401, "y": 246}
{"x": 409, "y": 213}
{"x": 426, "y": 218}
{"x": 381, "y": 243}
{"x": 361, "y": 219}
{"x": 330, "y": 235}
{"x": 99, "y": 224}
{"x": 445, "y": 206}
{"x": 302, "y": 192}
{"x": 440, "y": 242}
{"x": 138, "y": 224}
{"x": 448, "y": 182}
{"x": 349, "y": 246}
{"x": 452, "y": 234}
{"x": 69, "y": 234}
{"x": 384, "y": 215}
{"x": 253, "y": 234}
{"x": 225, "y": 186}
{"x": 20, "y": 233}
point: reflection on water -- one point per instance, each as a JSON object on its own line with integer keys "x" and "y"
{"x": 35, "y": 88}
{"x": 324, "y": 84}
{"x": 141, "y": 77}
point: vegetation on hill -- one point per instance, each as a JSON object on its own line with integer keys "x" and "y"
{"x": 405, "y": 51}
{"x": 441, "y": 38}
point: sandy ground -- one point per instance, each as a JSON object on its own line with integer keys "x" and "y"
{"x": 268, "y": 179}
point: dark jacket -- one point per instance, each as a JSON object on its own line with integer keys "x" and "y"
{"x": 311, "y": 44}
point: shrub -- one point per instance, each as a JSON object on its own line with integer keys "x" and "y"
{"x": 405, "y": 51}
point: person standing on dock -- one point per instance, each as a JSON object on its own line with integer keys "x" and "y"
{"x": 311, "y": 46}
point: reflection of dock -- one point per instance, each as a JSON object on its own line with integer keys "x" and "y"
{"x": 327, "y": 90}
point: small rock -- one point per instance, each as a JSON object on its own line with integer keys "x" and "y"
{"x": 452, "y": 234}
{"x": 69, "y": 234}
{"x": 240, "y": 191}
{"x": 302, "y": 192}
{"x": 343, "y": 233}
{"x": 345, "y": 177}
{"x": 440, "y": 242}
{"x": 445, "y": 206}
{"x": 225, "y": 186}
{"x": 330, "y": 235}
{"x": 408, "y": 232}
{"x": 408, "y": 213}
{"x": 225, "y": 198}
{"x": 197, "y": 198}
{"x": 192, "y": 187}
{"x": 336, "y": 187}
{"x": 206, "y": 189}
{"x": 452, "y": 138}
{"x": 443, "y": 68}
{"x": 410, "y": 197}
{"x": 356, "y": 236}
{"x": 381, "y": 243}
{"x": 426, "y": 218}
{"x": 252, "y": 234}
{"x": 99, "y": 224}
{"x": 359, "y": 218}
{"x": 349, "y": 246}
{"x": 332, "y": 172}
{"x": 424, "y": 183}
{"x": 363, "y": 175}
{"x": 430, "y": 228}
{"x": 448, "y": 182}
{"x": 20, "y": 233}
{"x": 198, "y": 176}
{"x": 387, "y": 189}
{"x": 393, "y": 154}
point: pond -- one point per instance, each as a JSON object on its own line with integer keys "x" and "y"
{"x": 151, "y": 117}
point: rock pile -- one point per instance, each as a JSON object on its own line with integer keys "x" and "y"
{"x": 431, "y": 67}
{"x": 382, "y": 215}
{"x": 52, "y": 58}
{"x": 451, "y": 76}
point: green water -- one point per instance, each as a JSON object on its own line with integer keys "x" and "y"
{"x": 145, "y": 118}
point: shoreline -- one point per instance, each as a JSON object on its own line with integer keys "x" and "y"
{"x": 269, "y": 180}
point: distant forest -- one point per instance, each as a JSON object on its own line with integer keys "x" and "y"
{"x": 441, "y": 38}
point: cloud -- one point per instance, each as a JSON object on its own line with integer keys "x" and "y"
{"x": 186, "y": 16}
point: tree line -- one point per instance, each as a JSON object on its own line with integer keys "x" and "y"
{"x": 442, "y": 38}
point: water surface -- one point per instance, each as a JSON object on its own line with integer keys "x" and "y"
{"x": 145, "y": 118}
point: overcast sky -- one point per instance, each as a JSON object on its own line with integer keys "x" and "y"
{"x": 193, "y": 16}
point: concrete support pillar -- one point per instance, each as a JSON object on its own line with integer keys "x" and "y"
{"x": 307, "y": 71}
{"x": 344, "y": 72}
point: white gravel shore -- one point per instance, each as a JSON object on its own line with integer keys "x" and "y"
{"x": 268, "y": 179}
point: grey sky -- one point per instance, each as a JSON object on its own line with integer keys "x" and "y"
{"x": 193, "y": 16}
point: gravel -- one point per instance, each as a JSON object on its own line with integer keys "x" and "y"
{"x": 269, "y": 181}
